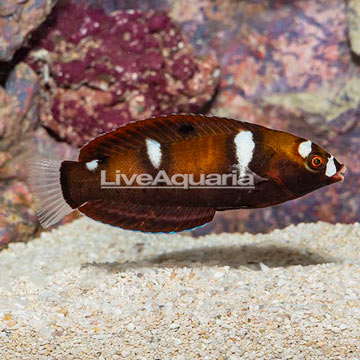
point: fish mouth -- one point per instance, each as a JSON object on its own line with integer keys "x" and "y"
{"x": 339, "y": 176}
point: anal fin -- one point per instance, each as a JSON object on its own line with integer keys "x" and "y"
{"x": 147, "y": 218}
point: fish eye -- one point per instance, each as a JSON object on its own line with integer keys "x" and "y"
{"x": 316, "y": 162}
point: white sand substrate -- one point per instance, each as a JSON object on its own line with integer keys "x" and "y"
{"x": 91, "y": 291}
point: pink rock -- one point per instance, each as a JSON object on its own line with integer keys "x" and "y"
{"x": 107, "y": 70}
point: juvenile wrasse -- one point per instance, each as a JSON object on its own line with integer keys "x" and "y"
{"x": 172, "y": 173}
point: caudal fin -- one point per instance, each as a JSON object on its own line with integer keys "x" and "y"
{"x": 44, "y": 181}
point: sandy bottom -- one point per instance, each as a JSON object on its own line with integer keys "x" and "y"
{"x": 90, "y": 291}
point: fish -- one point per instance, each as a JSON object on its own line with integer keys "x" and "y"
{"x": 172, "y": 173}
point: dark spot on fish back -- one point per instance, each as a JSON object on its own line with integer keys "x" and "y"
{"x": 187, "y": 129}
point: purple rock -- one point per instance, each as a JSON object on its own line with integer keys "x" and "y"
{"x": 109, "y": 69}
{"x": 158, "y": 22}
{"x": 183, "y": 68}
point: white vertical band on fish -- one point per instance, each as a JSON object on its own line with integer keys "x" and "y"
{"x": 305, "y": 149}
{"x": 244, "y": 148}
{"x": 330, "y": 167}
{"x": 154, "y": 152}
{"x": 92, "y": 165}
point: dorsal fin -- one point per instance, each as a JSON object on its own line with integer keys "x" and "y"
{"x": 164, "y": 129}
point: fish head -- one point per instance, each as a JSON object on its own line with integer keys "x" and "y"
{"x": 300, "y": 165}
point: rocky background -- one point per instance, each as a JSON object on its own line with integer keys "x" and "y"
{"x": 69, "y": 71}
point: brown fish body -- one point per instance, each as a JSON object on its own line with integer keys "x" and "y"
{"x": 272, "y": 167}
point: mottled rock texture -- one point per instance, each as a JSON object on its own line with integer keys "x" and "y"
{"x": 21, "y": 139}
{"x": 354, "y": 25}
{"x": 18, "y": 18}
{"x": 102, "y": 71}
{"x": 18, "y": 119}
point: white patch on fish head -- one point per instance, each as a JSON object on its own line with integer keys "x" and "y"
{"x": 244, "y": 148}
{"x": 154, "y": 152}
{"x": 92, "y": 165}
{"x": 330, "y": 167}
{"x": 305, "y": 148}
